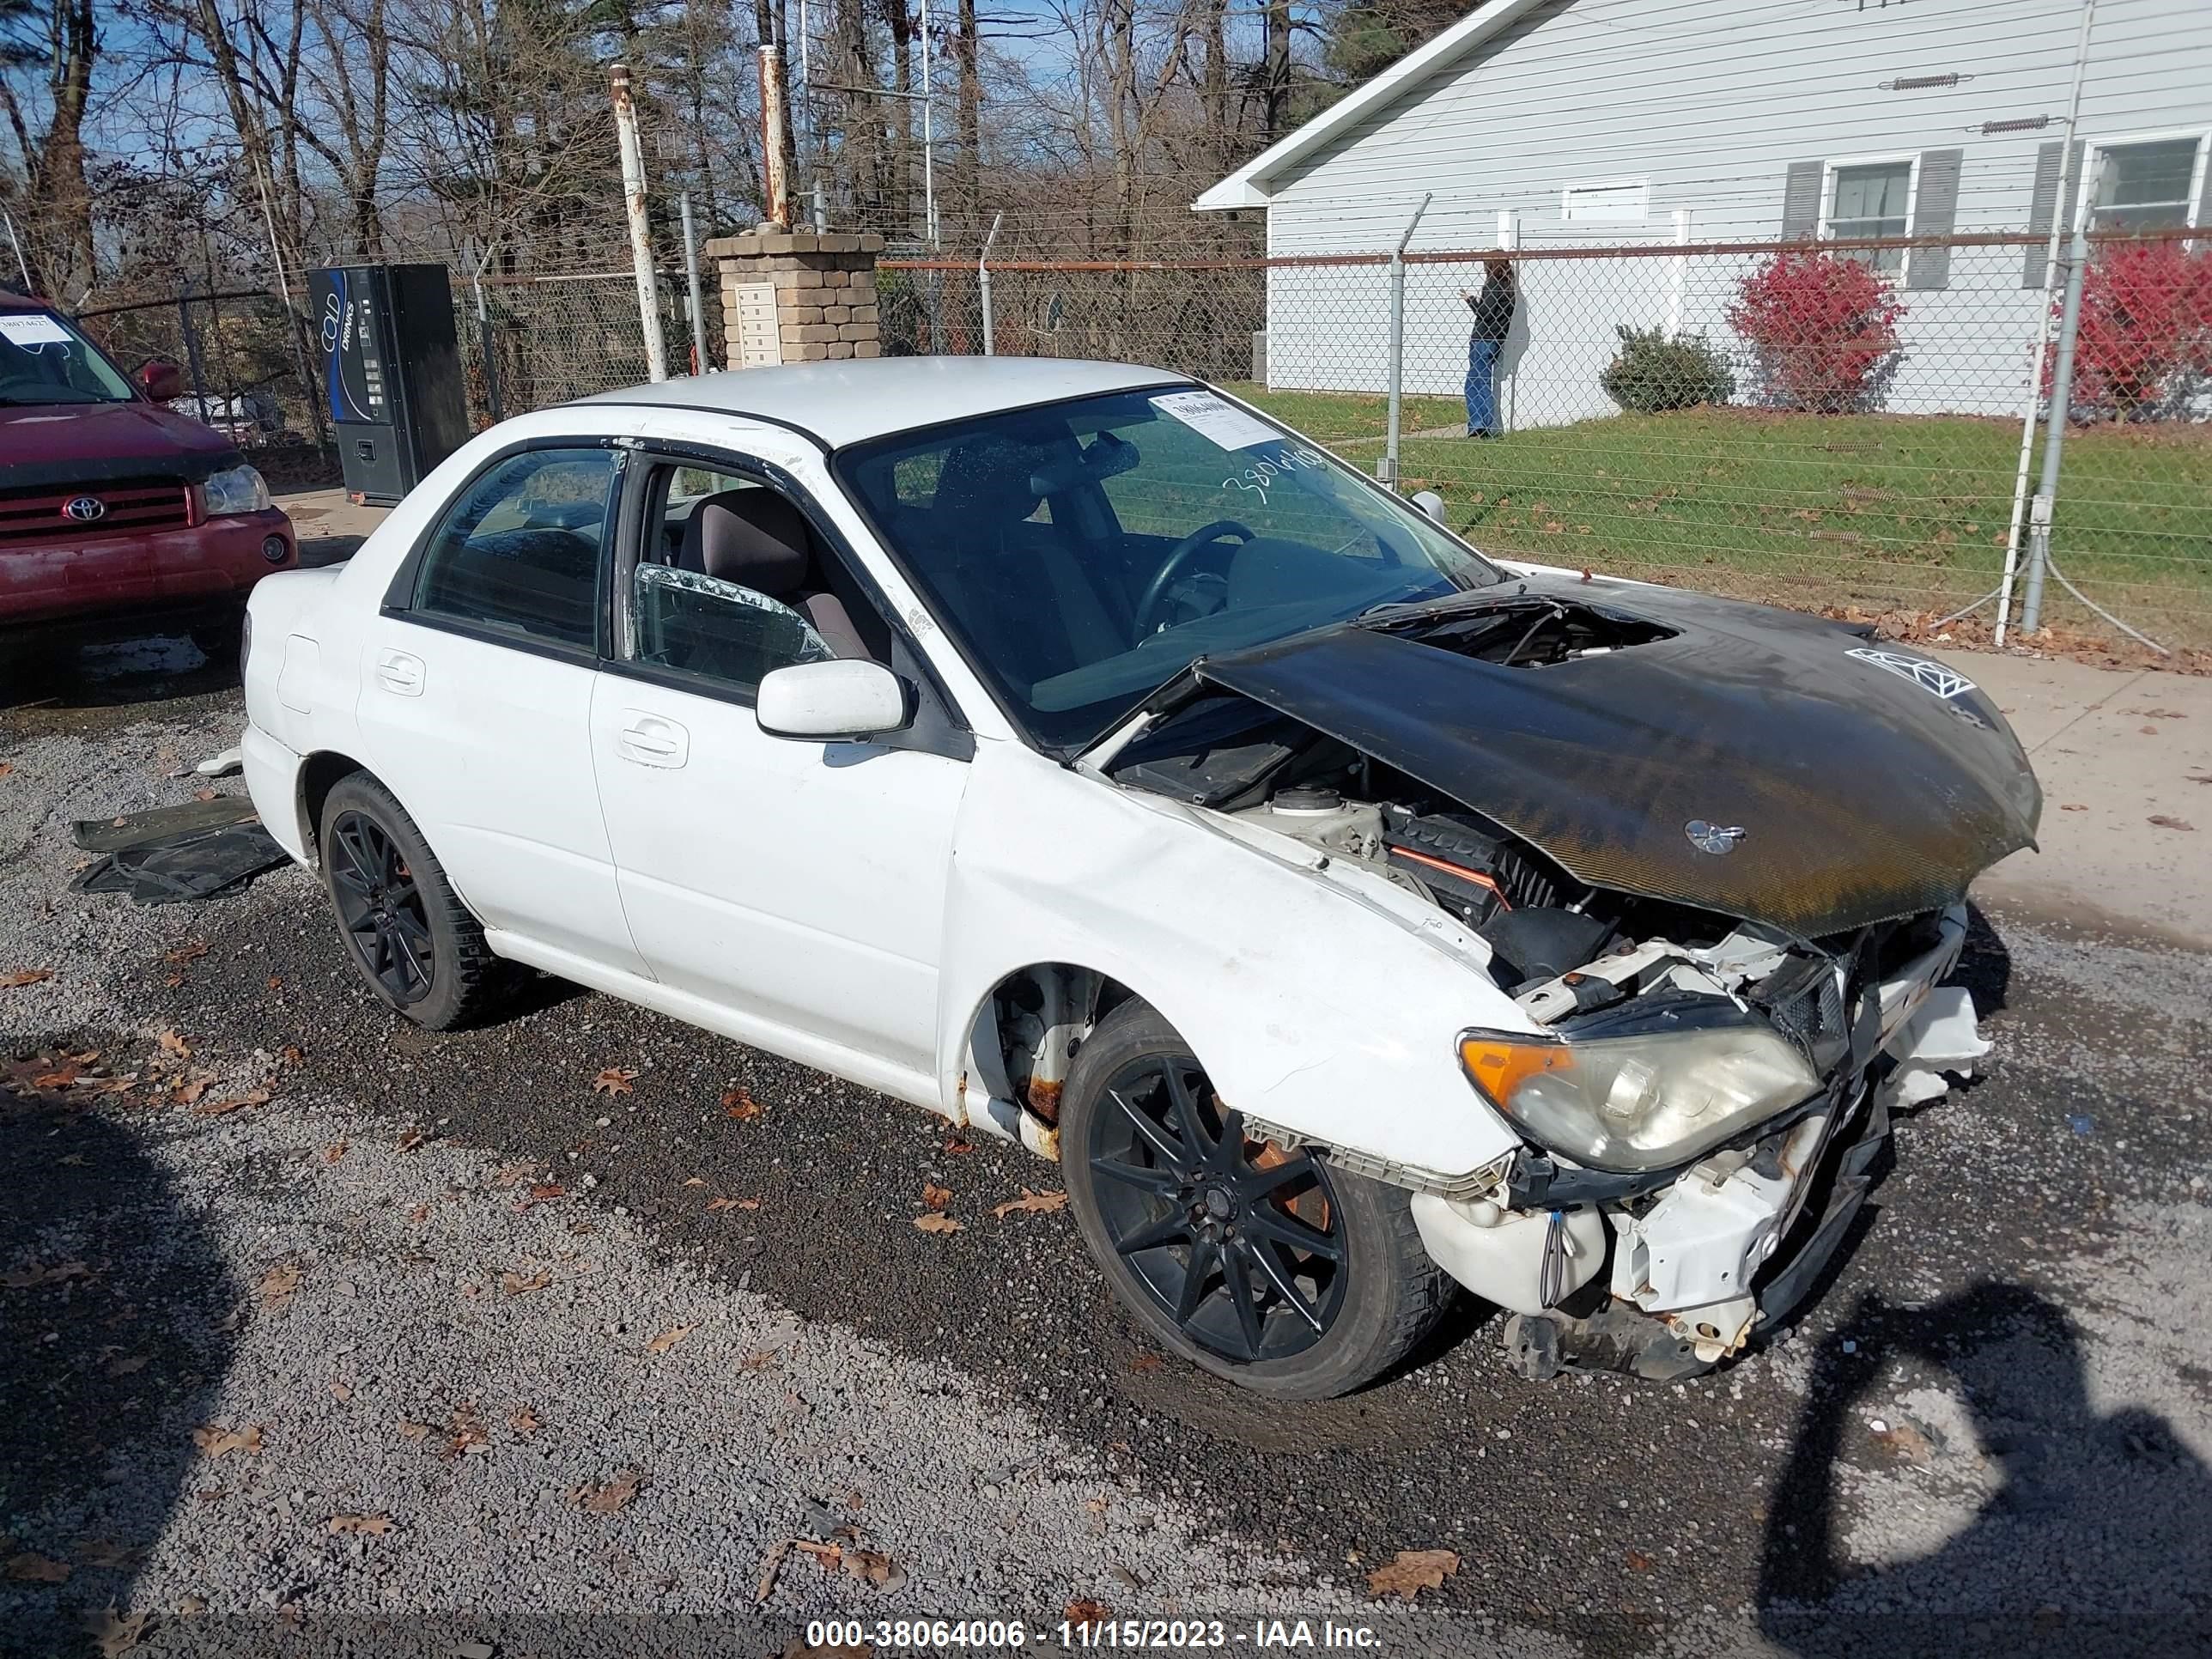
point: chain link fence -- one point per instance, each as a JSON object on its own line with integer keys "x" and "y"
{"x": 1836, "y": 427}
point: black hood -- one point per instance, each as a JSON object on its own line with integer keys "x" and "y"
{"x": 1868, "y": 782}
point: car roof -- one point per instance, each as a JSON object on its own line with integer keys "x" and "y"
{"x": 22, "y": 302}
{"x": 847, "y": 403}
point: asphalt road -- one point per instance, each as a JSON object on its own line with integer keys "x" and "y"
{"x": 1991, "y": 1434}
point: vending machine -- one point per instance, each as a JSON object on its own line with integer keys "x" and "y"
{"x": 391, "y": 373}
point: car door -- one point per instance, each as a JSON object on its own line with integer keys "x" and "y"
{"x": 476, "y": 696}
{"x": 799, "y": 886}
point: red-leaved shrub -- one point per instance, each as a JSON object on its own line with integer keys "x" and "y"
{"x": 2145, "y": 345}
{"x": 1823, "y": 331}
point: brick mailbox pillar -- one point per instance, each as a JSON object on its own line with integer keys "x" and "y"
{"x": 797, "y": 296}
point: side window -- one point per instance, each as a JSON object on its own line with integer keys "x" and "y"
{"x": 730, "y": 583}
{"x": 521, "y": 548}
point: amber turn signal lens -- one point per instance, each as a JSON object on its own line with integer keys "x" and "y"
{"x": 1499, "y": 1068}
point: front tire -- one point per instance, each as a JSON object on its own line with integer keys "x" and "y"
{"x": 1261, "y": 1263}
{"x": 403, "y": 927}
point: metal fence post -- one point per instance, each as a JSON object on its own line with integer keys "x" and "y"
{"x": 191, "y": 347}
{"x": 1386, "y": 470}
{"x": 2054, "y": 442}
{"x": 699, "y": 362}
{"x": 983, "y": 284}
{"x": 641, "y": 234}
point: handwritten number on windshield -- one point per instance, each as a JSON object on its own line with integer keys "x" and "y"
{"x": 1256, "y": 477}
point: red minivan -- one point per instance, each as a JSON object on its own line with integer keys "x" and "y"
{"x": 114, "y": 509}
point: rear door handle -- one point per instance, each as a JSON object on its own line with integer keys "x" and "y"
{"x": 400, "y": 672}
{"x": 653, "y": 739}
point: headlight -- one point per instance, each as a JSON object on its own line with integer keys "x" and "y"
{"x": 233, "y": 489}
{"x": 1630, "y": 1103}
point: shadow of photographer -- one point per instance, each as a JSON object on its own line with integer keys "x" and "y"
{"x": 2096, "y": 1535}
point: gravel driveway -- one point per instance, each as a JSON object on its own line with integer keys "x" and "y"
{"x": 440, "y": 1349}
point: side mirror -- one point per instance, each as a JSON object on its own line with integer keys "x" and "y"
{"x": 1430, "y": 503}
{"x": 831, "y": 702}
{"x": 160, "y": 379}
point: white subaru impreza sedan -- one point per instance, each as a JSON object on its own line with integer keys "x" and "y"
{"x": 1070, "y": 749}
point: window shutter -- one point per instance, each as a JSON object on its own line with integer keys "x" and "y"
{"x": 1935, "y": 213}
{"x": 2045, "y": 209}
{"x": 1801, "y": 202}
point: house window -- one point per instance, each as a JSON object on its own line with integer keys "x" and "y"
{"x": 2143, "y": 187}
{"x": 1871, "y": 199}
{"x": 1596, "y": 204}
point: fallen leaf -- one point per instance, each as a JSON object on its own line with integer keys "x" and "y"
{"x": 1639, "y": 1562}
{"x": 203, "y": 793}
{"x": 739, "y": 1104}
{"x": 514, "y": 1284}
{"x": 1145, "y": 1364}
{"x": 1905, "y": 1441}
{"x": 191, "y": 951}
{"x": 126, "y": 1365}
{"x": 2072, "y": 806}
{"x": 959, "y": 1145}
{"x": 334, "y": 1151}
{"x": 465, "y": 1430}
{"x": 27, "y": 1278}
{"x": 614, "y": 1080}
{"x": 361, "y": 1526}
{"x": 412, "y": 1138}
{"x": 934, "y": 1197}
{"x": 191, "y": 1606}
{"x": 173, "y": 1044}
{"x": 714, "y": 1204}
{"x": 340, "y": 1392}
{"x": 1085, "y": 1612}
{"x": 217, "y": 1441}
{"x": 291, "y": 1054}
{"x": 415, "y": 1431}
{"x": 188, "y": 1092}
{"x": 108, "y": 1085}
{"x": 873, "y": 1569}
{"x": 104, "y": 1553}
{"x": 1412, "y": 1570}
{"x": 235, "y": 1103}
{"x": 668, "y": 1338}
{"x": 611, "y": 1496}
{"x": 419, "y": 1214}
{"x": 278, "y": 1282}
{"x": 2167, "y": 821}
{"x": 276, "y": 983}
{"x": 523, "y": 1421}
{"x": 114, "y": 1633}
{"x": 696, "y": 1180}
{"x": 760, "y": 1360}
{"x": 934, "y": 1223}
{"x": 1038, "y": 1203}
{"x": 60, "y": 1079}
{"x": 769, "y": 1568}
{"x": 7, "y": 767}
{"x": 30, "y": 1568}
{"x": 23, "y": 976}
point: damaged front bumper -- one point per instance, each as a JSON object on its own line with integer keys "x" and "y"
{"x": 1667, "y": 1275}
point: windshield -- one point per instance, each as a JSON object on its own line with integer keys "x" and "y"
{"x": 1085, "y": 552}
{"x": 43, "y": 360}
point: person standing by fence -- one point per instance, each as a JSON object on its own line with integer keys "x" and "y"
{"x": 1493, "y": 318}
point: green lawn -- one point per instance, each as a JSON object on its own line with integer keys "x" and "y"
{"x": 1881, "y": 512}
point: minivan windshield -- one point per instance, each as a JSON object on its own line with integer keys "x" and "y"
{"x": 1082, "y": 553}
{"x": 44, "y": 360}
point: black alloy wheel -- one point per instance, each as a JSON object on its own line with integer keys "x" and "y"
{"x": 381, "y": 908}
{"x": 1237, "y": 1241}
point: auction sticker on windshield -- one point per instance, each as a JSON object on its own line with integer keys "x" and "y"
{"x": 1210, "y": 417}
{"x": 32, "y": 328}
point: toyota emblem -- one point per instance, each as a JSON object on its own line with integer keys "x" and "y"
{"x": 85, "y": 509}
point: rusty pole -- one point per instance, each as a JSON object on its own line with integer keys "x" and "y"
{"x": 641, "y": 238}
{"x": 775, "y": 118}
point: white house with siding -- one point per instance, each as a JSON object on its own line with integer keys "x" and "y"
{"x": 1588, "y": 123}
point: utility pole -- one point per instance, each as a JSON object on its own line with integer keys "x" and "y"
{"x": 640, "y": 235}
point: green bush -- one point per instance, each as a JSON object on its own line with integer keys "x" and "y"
{"x": 1652, "y": 372}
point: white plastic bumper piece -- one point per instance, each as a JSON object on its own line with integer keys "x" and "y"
{"x": 1940, "y": 1036}
{"x": 1714, "y": 1228}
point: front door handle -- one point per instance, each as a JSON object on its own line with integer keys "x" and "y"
{"x": 653, "y": 739}
{"x": 400, "y": 672}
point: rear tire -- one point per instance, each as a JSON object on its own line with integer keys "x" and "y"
{"x": 1312, "y": 1281}
{"x": 403, "y": 927}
